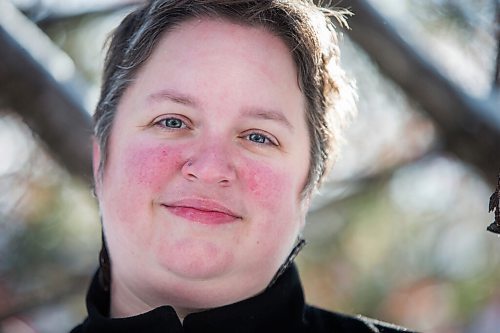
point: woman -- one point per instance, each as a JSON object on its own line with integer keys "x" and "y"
{"x": 217, "y": 120}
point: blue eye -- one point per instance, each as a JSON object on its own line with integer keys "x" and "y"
{"x": 258, "y": 138}
{"x": 261, "y": 139}
{"x": 172, "y": 123}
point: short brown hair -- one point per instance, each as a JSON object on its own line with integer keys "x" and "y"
{"x": 303, "y": 26}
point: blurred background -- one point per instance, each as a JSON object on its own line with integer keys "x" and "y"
{"x": 398, "y": 232}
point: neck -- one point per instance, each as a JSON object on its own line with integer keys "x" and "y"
{"x": 124, "y": 303}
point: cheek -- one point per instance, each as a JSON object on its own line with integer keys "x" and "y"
{"x": 149, "y": 166}
{"x": 273, "y": 195}
{"x": 269, "y": 186}
{"x": 134, "y": 177}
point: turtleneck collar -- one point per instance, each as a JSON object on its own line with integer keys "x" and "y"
{"x": 279, "y": 308}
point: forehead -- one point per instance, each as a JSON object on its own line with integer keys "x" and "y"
{"x": 198, "y": 38}
{"x": 207, "y": 56}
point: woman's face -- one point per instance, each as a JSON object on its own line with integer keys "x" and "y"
{"x": 208, "y": 155}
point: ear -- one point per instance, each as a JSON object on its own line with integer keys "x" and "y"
{"x": 96, "y": 161}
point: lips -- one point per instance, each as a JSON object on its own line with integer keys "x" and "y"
{"x": 202, "y": 211}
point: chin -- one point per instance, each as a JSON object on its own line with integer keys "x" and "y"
{"x": 195, "y": 260}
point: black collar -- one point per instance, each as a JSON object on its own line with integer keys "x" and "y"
{"x": 280, "y": 308}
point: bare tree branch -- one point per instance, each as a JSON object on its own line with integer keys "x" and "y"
{"x": 36, "y": 80}
{"x": 470, "y": 128}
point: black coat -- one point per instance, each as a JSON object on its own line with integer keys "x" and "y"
{"x": 281, "y": 308}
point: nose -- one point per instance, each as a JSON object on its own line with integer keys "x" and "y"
{"x": 210, "y": 163}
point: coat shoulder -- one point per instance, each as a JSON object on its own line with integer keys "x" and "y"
{"x": 322, "y": 321}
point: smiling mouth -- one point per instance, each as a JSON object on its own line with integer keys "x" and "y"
{"x": 203, "y": 215}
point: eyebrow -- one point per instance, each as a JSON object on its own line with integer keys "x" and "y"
{"x": 268, "y": 114}
{"x": 173, "y": 96}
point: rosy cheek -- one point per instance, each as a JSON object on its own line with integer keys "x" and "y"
{"x": 265, "y": 184}
{"x": 148, "y": 166}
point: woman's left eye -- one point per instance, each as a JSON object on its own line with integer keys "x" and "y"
{"x": 261, "y": 139}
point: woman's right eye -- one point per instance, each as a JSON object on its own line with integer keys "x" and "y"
{"x": 171, "y": 122}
